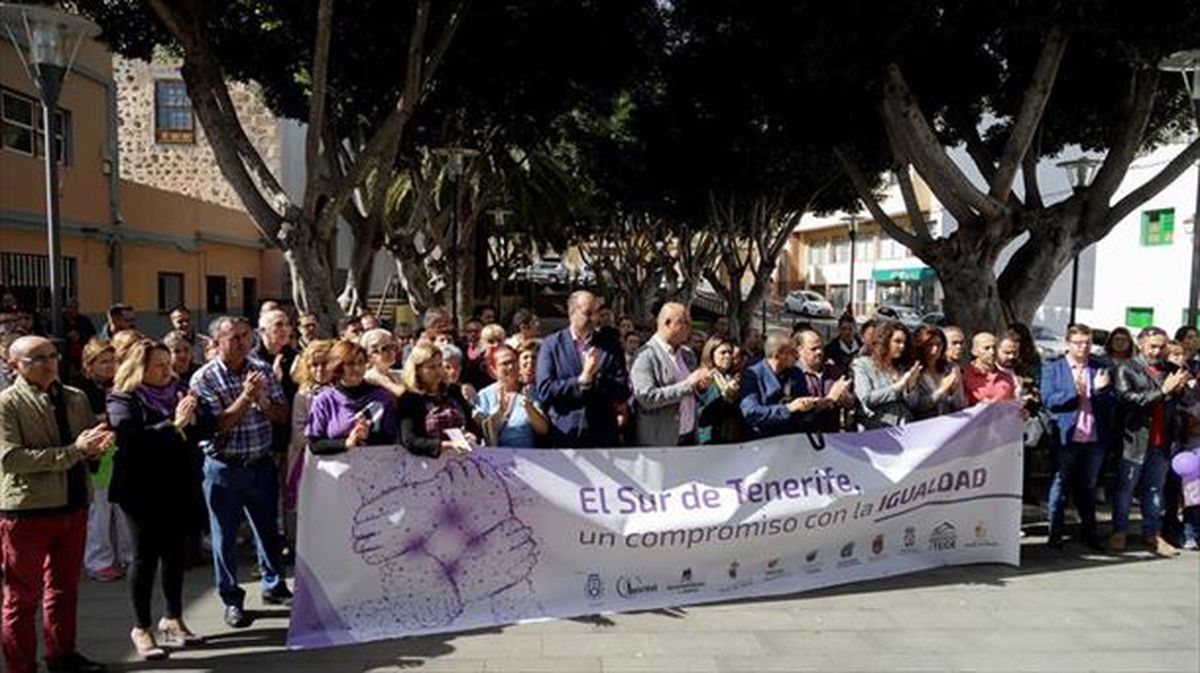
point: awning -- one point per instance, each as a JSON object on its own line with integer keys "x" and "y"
{"x": 900, "y": 275}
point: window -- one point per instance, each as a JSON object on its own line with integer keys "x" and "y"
{"x": 170, "y": 291}
{"x": 865, "y": 248}
{"x": 841, "y": 251}
{"x": 1139, "y": 316}
{"x": 173, "y": 121}
{"x": 1158, "y": 226}
{"x": 22, "y": 128}
{"x": 26, "y": 276}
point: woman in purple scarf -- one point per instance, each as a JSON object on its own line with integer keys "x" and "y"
{"x": 154, "y": 417}
{"x": 352, "y": 412}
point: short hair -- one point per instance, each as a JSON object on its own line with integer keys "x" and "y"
{"x": 522, "y": 318}
{"x": 1151, "y": 331}
{"x": 1010, "y": 335}
{"x": 953, "y": 328}
{"x": 302, "y": 373}
{"x": 132, "y": 369}
{"x": 118, "y": 308}
{"x": 373, "y": 338}
{"x": 576, "y": 297}
{"x": 341, "y": 353}
{"x": 799, "y": 334}
{"x": 433, "y": 316}
{"x": 846, "y": 319}
{"x": 451, "y": 352}
{"x": 776, "y": 339}
{"x": 214, "y": 327}
{"x": 177, "y": 337}
{"x": 270, "y": 317}
{"x": 1174, "y": 344}
{"x": 347, "y": 323}
{"x": 531, "y": 346}
{"x": 94, "y": 348}
{"x": 179, "y": 308}
{"x": 492, "y": 354}
{"x": 421, "y": 354}
{"x": 491, "y": 332}
{"x": 1079, "y": 329}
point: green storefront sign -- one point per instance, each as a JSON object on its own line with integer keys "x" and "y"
{"x": 902, "y": 275}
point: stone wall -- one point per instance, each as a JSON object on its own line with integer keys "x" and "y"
{"x": 188, "y": 168}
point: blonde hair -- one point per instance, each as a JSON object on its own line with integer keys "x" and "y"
{"x": 123, "y": 341}
{"x": 375, "y": 337}
{"x": 133, "y": 366}
{"x": 303, "y": 373}
{"x": 94, "y": 348}
{"x": 420, "y": 355}
{"x": 492, "y": 333}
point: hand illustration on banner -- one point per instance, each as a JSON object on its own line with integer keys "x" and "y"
{"x": 441, "y": 545}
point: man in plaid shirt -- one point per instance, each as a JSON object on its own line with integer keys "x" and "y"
{"x": 239, "y": 400}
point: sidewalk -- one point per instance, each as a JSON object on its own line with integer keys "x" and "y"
{"x": 1060, "y": 611}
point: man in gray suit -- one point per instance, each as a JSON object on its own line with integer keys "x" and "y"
{"x": 665, "y": 381}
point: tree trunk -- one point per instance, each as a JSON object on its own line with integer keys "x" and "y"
{"x": 414, "y": 278}
{"x": 310, "y": 262}
{"x": 972, "y": 298}
{"x": 1034, "y": 268}
{"x": 357, "y": 292}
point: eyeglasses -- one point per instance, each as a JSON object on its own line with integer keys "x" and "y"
{"x": 41, "y": 359}
{"x": 386, "y": 348}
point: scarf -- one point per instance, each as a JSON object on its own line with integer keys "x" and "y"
{"x": 161, "y": 400}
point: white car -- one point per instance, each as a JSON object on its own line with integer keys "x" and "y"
{"x": 545, "y": 271}
{"x": 808, "y": 303}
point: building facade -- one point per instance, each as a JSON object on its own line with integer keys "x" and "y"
{"x": 147, "y": 218}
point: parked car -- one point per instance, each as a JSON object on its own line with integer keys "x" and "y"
{"x": 545, "y": 271}
{"x": 808, "y": 303}
{"x": 907, "y": 315}
{"x": 1048, "y": 342}
{"x": 935, "y": 318}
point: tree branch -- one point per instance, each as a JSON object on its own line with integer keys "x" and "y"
{"x": 978, "y": 151}
{"x": 316, "y": 110}
{"x": 1177, "y": 166}
{"x": 1033, "y": 192}
{"x": 916, "y": 216}
{"x": 1136, "y": 106}
{"x": 928, "y": 155}
{"x": 1033, "y": 105}
{"x": 865, "y": 195}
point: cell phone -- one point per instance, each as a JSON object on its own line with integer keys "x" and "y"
{"x": 372, "y": 413}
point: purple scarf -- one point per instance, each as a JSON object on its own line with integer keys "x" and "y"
{"x": 162, "y": 400}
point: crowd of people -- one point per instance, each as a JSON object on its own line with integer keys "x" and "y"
{"x": 158, "y": 445}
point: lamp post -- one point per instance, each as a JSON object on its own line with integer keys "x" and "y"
{"x": 1187, "y": 63}
{"x": 852, "y": 226}
{"x": 1079, "y": 175}
{"x": 455, "y": 164}
{"x": 51, "y": 39}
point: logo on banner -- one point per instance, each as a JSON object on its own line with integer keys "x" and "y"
{"x": 733, "y": 569}
{"x": 847, "y": 556}
{"x": 944, "y": 537}
{"x": 685, "y": 585}
{"x": 877, "y": 545}
{"x": 848, "y": 550}
{"x": 775, "y": 568}
{"x": 632, "y": 587}
{"x": 594, "y": 587}
{"x": 981, "y": 536}
{"x": 811, "y": 556}
{"x": 910, "y": 538}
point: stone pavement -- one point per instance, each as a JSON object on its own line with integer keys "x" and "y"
{"x": 1060, "y": 611}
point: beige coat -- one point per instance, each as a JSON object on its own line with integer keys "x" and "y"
{"x": 33, "y": 464}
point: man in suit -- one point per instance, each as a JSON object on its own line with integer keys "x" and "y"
{"x": 581, "y": 379}
{"x": 665, "y": 381}
{"x": 1077, "y": 389}
{"x": 776, "y": 399}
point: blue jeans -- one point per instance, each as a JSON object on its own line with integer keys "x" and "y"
{"x": 1078, "y": 469}
{"x": 1148, "y": 478}
{"x": 230, "y": 490}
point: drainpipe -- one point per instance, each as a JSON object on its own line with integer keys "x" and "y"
{"x": 114, "y": 194}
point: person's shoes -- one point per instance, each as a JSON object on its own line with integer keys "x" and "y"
{"x": 280, "y": 596}
{"x": 147, "y": 648}
{"x": 1116, "y": 542}
{"x": 75, "y": 663}
{"x": 173, "y": 632}
{"x": 107, "y": 574}
{"x": 1094, "y": 543}
{"x": 1055, "y": 542}
{"x": 1161, "y": 547}
{"x": 1191, "y": 545}
{"x": 236, "y": 617}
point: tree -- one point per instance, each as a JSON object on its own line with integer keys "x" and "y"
{"x": 313, "y": 67}
{"x": 1012, "y": 82}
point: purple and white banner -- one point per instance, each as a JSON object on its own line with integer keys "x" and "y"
{"x": 393, "y": 545}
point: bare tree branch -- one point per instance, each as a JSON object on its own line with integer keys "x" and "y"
{"x": 977, "y": 150}
{"x": 916, "y": 216}
{"x": 1033, "y": 105}
{"x": 1033, "y": 192}
{"x": 865, "y": 195}
{"x": 1131, "y": 201}
{"x": 1136, "y": 106}
{"x": 316, "y": 109}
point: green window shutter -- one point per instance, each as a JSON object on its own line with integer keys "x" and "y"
{"x": 1139, "y": 316}
{"x": 1158, "y": 227}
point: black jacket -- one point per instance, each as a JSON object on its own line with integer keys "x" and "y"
{"x": 154, "y": 465}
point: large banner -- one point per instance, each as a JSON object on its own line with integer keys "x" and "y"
{"x": 392, "y": 545}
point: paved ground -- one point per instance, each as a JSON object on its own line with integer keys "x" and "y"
{"x": 1060, "y": 611}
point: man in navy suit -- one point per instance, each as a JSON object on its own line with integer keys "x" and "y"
{"x": 1077, "y": 389}
{"x": 581, "y": 379}
{"x": 776, "y": 396}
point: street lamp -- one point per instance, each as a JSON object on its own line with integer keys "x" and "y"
{"x": 1187, "y": 63}
{"x": 455, "y": 164}
{"x": 852, "y": 225}
{"x": 49, "y": 41}
{"x": 1079, "y": 175}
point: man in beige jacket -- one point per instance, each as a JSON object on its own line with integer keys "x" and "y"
{"x": 47, "y": 437}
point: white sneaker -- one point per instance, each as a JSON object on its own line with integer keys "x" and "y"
{"x": 1191, "y": 545}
